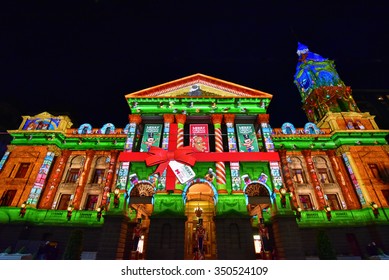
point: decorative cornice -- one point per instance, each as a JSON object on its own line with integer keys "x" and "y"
{"x": 135, "y": 118}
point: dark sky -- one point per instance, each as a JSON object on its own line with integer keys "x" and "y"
{"x": 81, "y": 57}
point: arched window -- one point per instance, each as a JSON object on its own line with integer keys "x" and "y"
{"x": 99, "y": 170}
{"x": 74, "y": 169}
{"x": 323, "y": 170}
{"x": 297, "y": 170}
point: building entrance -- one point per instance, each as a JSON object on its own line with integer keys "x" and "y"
{"x": 200, "y": 229}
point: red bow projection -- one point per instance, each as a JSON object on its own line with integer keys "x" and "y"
{"x": 163, "y": 157}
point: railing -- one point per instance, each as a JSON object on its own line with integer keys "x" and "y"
{"x": 359, "y": 217}
{"x": 43, "y": 216}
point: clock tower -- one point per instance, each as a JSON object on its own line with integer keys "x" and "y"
{"x": 327, "y": 101}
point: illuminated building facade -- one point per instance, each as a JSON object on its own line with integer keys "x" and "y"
{"x": 199, "y": 173}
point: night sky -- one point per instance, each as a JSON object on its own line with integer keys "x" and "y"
{"x": 81, "y": 57}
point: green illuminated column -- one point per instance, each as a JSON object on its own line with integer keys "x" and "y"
{"x": 83, "y": 179}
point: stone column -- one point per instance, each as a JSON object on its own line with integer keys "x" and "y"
{"x": 220, "y": 166}
{"x": 54, "y": 180}
{"x": 180, "y": 119}
{"x": 229, "y": 120}
{"x": 83, "y": 180}
{"x": 343, "y": 180}
{"x": 356, "y": 178}
{"x": 287, "y": 178}
{"x": 110, "y": 175}
{"x": 315, "y": 181}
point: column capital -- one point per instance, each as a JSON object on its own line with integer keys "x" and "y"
{"x": 168, "y": 118}
{"x": 229, "y": 118}
{"x": 217, "y": 118}
{"x": 10, "y": 148}
{"x": 90, "y": 153}
{"x": 282, "y": 153}
{"x": 181, "y": 118}
{"x": 306, "y": 153}
{"x": 52, "y": 148}
{"x": 135, "y": 118}
{"x": 263, "y": 118}
{"x": 331, "y": 153}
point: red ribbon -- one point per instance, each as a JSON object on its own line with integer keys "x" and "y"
{"x": 163, "y": 157}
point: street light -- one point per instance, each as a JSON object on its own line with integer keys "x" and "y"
{"x": 23, "y": 209}
{"x": 70, "y": 212}
{"x": 328, "y": 212}
{"x": 374, "y": 207}
{"x": 116, "y": 198}
{"x": 298, "y": 213}
{"x": 99, "y": 213}
{"x": 283, "y": 197}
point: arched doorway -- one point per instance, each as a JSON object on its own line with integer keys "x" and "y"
{"x": 259, "y": 202}
{"x": 200, "y": 199}
{"x": 141, "y": 208}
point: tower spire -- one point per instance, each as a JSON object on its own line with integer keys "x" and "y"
{"x": 320, "y": 86}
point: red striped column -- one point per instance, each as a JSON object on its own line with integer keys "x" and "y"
{"x": 220, "y": 166}
{"x": 110, "y": 176}
{"x": 180, "y": 119}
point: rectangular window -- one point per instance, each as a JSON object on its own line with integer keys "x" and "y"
{"x": 98, "y": 176}
{"x": 72, "y": 175}
{"x": 324, "y": 176}
{"x": 305, "y": 202}
{"x": 7, "y": 198}
{"x": 374, "y": 169}
{"x": 386, "y": 195}
{"x": 298, "y": 176}
{"x": 64, "y": 202}
{"x": 91, "y": 202}
{"x": 333, "y": 201}
{"x": 22, "y": 171}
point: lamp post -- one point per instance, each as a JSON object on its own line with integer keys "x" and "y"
{"x": 116, "y": 198}
{"x": 23, "y": 209}
{"x": 70, "y": 212}
{"x": 328, "y": 212}
{"x": 374, "y": 207}
{"x": 283, "y": 197}
{"x": 298, "y": 213}
{"x": 99, "y": 213}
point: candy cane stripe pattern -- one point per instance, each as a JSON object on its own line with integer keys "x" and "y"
{"x": 220, "y": 166}
{"x": 180, "y": 131}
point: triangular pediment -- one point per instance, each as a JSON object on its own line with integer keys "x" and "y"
{"x": 199, "y": 86}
